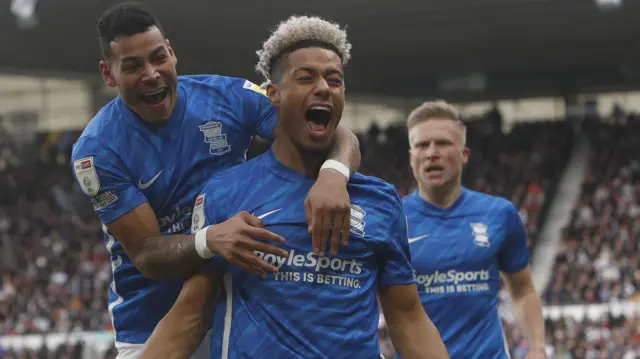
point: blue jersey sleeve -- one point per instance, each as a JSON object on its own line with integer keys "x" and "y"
{"x": 514, "y": 255}
{"x": 396, "y": 266}
{"x": 103, "y": 178}
{"x": 257, "y": 111}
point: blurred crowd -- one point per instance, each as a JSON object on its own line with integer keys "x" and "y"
{"x": 604, "y": 336}
{"x": 600, "y": 257}
{"x": 609, "y": 337}
{"x": 55, "y": 271}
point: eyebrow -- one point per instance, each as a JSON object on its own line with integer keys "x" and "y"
{"x": 330, "y": 71}
{"x": 155, "y": 51}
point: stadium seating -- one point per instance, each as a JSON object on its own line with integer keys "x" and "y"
{"x": 599, "y": 260}
{"x": 606, "y": 337}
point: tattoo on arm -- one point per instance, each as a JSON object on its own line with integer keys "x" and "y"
{"x": 171, "y": 256}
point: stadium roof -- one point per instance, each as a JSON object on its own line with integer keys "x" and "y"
{"x": 414, "y": 48}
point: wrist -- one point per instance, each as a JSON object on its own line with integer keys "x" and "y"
{"x": 202, "y": 244}
{"x": 333, "y": 166}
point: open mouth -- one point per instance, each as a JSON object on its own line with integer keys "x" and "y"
{"x": 434, "y": 169}
{"x": 155, "y": 97}
{"x": 318, "y": 118}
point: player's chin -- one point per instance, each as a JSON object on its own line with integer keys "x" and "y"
{"x": 316, "y": 148}
{"x": 316, "y": 145}
{"x": 155, "y": 115}
{"x": 434, "y": 181}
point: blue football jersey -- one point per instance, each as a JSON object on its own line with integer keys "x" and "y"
{"x": 314, "y": 307}
{"x": 457, "y": 255}
{"x": 121, "y": 162}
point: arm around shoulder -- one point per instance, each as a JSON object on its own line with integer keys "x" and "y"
{"x": 346, "y": 149}
{"x": 156, "y": 256}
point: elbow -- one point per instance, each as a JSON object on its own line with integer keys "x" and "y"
{"x": 405, "y": 314}
{"x": 356, "y": 146}
{"x": 354, "y": 141}
{"x": 345, "y": 135}
{"x": 410, "y": 305}
{"x": 147, "y": 268}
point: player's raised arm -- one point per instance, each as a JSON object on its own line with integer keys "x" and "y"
{"x": 180, "y": 331}
{"x": 413, "y": 334}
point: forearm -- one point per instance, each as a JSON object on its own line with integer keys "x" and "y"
{"x": 180, "y": 332}
{"x": 175, "y": 337}
{"x": 346, "y": 149}
{"x": 528, "y": 315}
{"x": 415, "y": 337}
{"x": 169, "y": 257}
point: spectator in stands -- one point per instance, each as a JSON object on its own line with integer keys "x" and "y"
{"x": 600, "y": 260}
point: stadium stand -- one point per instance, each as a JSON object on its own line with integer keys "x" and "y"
{"x": 600, "y": 259}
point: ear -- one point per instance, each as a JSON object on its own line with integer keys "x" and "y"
{"x": 171, "y": 52}
{"x": 273, "y": 93}
{"x": 107, "y": 76}
{"x": 465, "y": 155}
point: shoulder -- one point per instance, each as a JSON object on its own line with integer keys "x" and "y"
{"x": 228, "y": 91}
{"x": 203, "y": 80}
{"x": 375, "y": 194}
{"x": 409, "y": 201}
{"x": 220, "y": 82}
{"x": 229, "y": 182}
{"x": 493, "y": 204}
{"x": 227, "y": 190}
{"x": 102, "y": 132}
{"x": 109, "y": 120}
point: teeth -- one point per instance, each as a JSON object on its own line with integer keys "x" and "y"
{"x": 154, "y": 93}
{"x": 322, "y": 108}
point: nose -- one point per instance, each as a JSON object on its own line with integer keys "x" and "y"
{"x": 150, "y": 73}
{"x": 322, "y": 89}
{"x": 432, "y": 151}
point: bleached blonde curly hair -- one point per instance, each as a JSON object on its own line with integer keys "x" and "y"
{"x": 301, "y": 29}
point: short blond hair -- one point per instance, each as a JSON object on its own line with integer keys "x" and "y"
{"x": 438, "y": 109}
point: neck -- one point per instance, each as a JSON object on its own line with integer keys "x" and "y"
{"x": 443, "y": 197}
{"x": 299, "y": 160}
